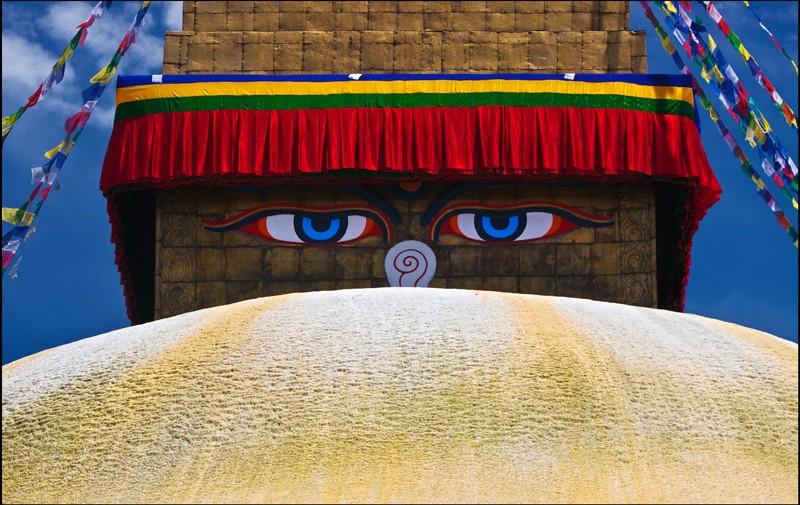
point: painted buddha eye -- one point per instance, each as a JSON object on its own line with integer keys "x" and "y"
{"x": 304, "y": 226}
{"x": 518, "y": 223}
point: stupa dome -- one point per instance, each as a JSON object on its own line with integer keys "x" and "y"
{"x": 407, "y": 395}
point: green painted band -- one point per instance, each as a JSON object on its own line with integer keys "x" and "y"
{"x": 400, "y": 100}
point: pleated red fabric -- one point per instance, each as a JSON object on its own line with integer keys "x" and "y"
{"x": 166, "y": 148}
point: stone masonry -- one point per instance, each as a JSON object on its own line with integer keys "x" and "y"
{"x": 419, "y": 37}
{"x": 199, "y": 268}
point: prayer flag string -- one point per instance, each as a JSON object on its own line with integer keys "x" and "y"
{"x": 761, "y": 24}
{"x": 745, "y": 165}
{"x": 730, "y": 90}
{"x": 755, "y": 69}
{"x": 57, "y": 73}
{"x": 104, "y": 75}
{"x": 25, "y": 216}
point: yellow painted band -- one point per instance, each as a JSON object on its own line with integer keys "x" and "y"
{"x": 151, "y": 91}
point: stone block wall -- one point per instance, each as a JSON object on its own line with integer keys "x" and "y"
{"x": 396, "y": 37}
{"x": 198, "y": 268}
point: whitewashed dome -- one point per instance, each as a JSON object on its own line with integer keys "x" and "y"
{"x": 407, "y": 395}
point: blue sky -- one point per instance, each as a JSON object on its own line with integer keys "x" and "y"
{"x": 744, "y": 266}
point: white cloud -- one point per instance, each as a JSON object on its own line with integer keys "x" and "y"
{"x": 103, "y": 116}
{"x": 62, "y": 18}
{"x": 25, "y": 65}
{"x": 173, "y": 15}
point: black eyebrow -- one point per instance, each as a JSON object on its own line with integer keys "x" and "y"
{"x": 451, "y": 192}
{"x": 364, "y": 192}
{"x": 371, "y": 196}
{"x": 447, "y": 195}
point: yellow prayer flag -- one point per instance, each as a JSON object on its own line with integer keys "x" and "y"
{"x": 767, "y": 127}
{"x": 744, "y": 53}
{"x": 713, "y": 114}
{"x": 10, "y": 215}
{"x": 52, "y": 152}
{"x": 759, "y": 183}
{"x": 711, "y": 44}
{"x": 671, "y": 7}
{"x": 64, "y": 57}
{"x": 103, "y": 76}
{"x": 761, "y": 135}
{"x": 27, "y": 219}
{"x": 704, "y": 74}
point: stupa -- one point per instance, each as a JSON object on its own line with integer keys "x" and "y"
{"x": 282, "y": 193}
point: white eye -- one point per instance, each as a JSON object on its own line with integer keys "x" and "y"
{"x": 523, "y": 222}
{"x": 315, "y": 229}
{"x": 355, "y": 227}
{"x": 326, "y": 226}
{"x": 508, "y": 227}
{"x": 538, "y": 225}
{"x": 281, "y": 227}
{"x": 466, "y": 224}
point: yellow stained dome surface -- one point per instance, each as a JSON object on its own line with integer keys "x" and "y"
{"x": 407, "y": 395}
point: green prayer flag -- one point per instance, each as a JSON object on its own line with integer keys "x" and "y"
{"x": 74, "y": 42}
{"x": 734, "y": 40}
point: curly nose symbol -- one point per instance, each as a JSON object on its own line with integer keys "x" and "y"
{"x": 410, "y": 264}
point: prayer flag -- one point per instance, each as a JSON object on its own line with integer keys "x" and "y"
{"x": 37, "y": 175}
{"x": 34, "y": 98}
{"x": 49, "y": 154}
{"x": 78, "y": 119}
{"x": 14, "y": 270}
{"x": 7, "y": 257}
{"x": 12, "y": 215}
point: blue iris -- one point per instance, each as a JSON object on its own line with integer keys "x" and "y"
{"x": 499, "y": 227}
{"x": 320, "y": 229}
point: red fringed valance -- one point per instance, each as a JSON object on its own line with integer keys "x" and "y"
{"x": 492, "y": 141}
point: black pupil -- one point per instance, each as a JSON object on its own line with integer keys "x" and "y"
{"x": 499, "y": 222}
{"x": 321, "y": 224}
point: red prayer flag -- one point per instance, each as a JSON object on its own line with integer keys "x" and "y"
{"x": 767, "y": 84}
{"x": 34, "y": 98}
{"x": 82, "y": 38}
{"x": 87, "y": 23}
{"x": 76, "y": 120}
{"x": 7, "y": 257}
{"x": 787, "y": 112}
